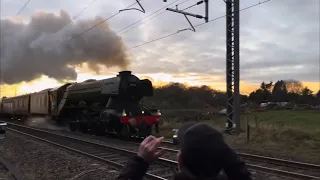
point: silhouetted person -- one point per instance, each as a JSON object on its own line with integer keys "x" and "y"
{"x": 203, "y": 155}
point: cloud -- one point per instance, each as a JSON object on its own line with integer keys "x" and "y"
{"x": 279, "y": 39}
{"x": 278, "y": 34}
{"x": 42, "y": 47}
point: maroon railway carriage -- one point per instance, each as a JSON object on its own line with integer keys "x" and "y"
{"x": 40, "y": 103}
{"x": 15, "y": 107}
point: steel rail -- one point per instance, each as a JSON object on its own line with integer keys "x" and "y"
{"x": 270, "y": 160}
{"x": 278, "y": 161}
{"x": 97, "y": 155}
{"x": 174, "y": 163}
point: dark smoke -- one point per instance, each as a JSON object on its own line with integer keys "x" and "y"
{"x": 40, "y": 47}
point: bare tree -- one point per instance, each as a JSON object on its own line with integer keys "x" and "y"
{"x": 294, "y": 86}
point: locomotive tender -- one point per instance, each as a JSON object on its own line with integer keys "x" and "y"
{"x": 93, "y": 106}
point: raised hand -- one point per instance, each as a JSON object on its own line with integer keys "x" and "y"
{"x": 148, "y": 149}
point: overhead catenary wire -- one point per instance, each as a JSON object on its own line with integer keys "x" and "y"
{"x": 198, "y": 25}
{"x": 147, "y": 16}
{"x": 73, "y": 18}
{"x": 85, "y": 8}
{"x": 198, "y": 3}
{"x": 148, "y": 19}
{"x": 23, "y": 7}
{"x": 101, "y": 22}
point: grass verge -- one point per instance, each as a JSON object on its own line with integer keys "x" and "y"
{"x": 279, "y": 133}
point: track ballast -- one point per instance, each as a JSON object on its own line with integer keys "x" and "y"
{"x": 165, "y": 167}
{"x": 114, "y": 156}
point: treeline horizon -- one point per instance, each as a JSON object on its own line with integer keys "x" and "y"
{"x": 181, "y": 96}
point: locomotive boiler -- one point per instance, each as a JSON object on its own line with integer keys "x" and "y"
{"x": 109, "y": 105}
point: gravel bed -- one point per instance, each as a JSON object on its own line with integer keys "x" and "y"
{"x": 51, "y": 126}
{"x": 134, "y": 147}
{"x": 4, "y": 174}
{"x": 98, "y": 139}
{"x": 155, "y": 166}
{"x": 38, "y": 160}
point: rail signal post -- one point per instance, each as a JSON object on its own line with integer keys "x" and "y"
{"x": 232, "y": 65}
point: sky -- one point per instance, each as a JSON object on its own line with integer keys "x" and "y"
{"x": 279, "y": 39}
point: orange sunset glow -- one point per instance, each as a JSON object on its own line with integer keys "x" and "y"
{"x": 51, "y": 45}
{"x": 157, "y": 79}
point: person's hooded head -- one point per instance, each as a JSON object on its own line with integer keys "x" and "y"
{"x": 203, "y": 152}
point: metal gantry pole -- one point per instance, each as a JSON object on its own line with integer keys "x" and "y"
{"x": 232, "y": 65}
{"x": 237, "y": 64}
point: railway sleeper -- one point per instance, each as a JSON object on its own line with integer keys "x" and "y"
{"x": 109, "y": 156}
{"x": 118, "y": 158}
{"x": 167, "y": 176}
{"x": 159, "y": 170}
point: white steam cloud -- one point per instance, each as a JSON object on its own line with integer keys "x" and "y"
{"x": 41, "y": 47}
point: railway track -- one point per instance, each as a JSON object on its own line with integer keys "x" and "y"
{"x": 114, "y": 156}
{"x": 283, "y": 167}
{"x": 166, "y": 166}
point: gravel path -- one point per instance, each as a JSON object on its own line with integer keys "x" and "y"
{"x": 38, "y": 160}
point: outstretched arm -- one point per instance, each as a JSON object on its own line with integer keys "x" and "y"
{"x": 137, "y": 167}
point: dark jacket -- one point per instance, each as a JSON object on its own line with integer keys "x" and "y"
{"x": 136, "y": 168}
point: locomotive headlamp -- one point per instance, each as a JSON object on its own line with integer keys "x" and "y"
{"x": 124, "y": 113}
{"x": 142, "y": 112}
{"x": 158, "y": 113}
{"x": 175, "y": 136}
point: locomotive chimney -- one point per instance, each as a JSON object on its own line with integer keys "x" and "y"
{"x": 124, "y": 73}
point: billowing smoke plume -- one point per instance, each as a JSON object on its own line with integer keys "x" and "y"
{"x": 41, "y": 47}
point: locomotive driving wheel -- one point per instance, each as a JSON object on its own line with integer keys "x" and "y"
{"x": 98, "y": 128}
{"x": 82, "y": 123}
{"x": 125, "y": 132}
{"x": 72, "y": 126}
{"x": 145, "y": 130}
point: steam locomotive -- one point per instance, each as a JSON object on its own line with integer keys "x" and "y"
{"x": 94, "y": 106}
